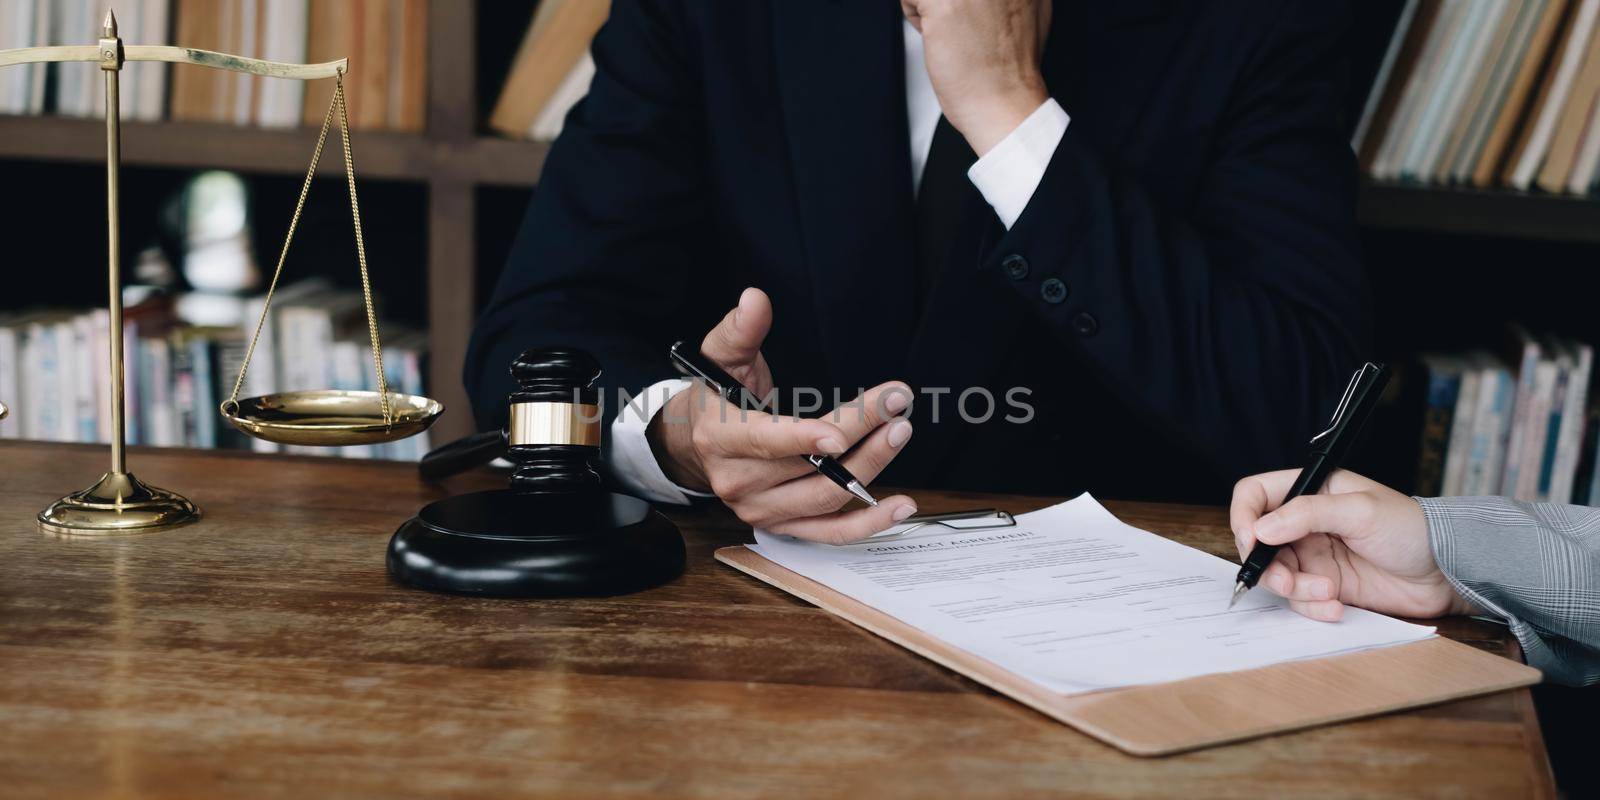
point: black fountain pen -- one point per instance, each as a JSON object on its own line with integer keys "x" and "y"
{"x": 1329, "y": 449}
{"x": 691, "y": 363}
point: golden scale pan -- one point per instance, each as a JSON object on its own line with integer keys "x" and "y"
{"x": 329, "y": 417}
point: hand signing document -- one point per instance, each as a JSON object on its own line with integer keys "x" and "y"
{"x": 1075, "y": 600}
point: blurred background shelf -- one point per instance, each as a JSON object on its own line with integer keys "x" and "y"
{"x": 441, "y": 204}
{"x": 379, "y": 155}
{"x": 1480, "y": 212}
{"x": 1449, "y": 267}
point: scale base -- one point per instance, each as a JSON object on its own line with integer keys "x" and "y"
{"x": 511, "y": 544}
{"x": 117, "y": 503}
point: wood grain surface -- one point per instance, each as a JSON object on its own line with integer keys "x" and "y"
{"x": 264, "y": 652}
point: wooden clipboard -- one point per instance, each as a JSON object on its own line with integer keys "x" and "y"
{"x": 1161, "y": 719}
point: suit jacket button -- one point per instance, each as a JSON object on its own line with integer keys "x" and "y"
{"x": 1085, "y": 324}
{"x": 1053, "y": 291}
{"x": 1016, "y": 267}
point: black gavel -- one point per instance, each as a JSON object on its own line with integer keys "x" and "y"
{"x": 555, "y": 530}
{"x": 552, "y": 429}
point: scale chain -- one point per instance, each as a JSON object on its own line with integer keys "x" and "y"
{"x": 361, "y": 250}
{"x": 338, "y": 103}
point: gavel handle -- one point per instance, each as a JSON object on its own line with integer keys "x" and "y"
{"x": 462, "y": 454}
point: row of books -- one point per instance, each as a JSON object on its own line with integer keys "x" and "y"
{"x": 54, "y": 376}
{"x": 551, "y": 71}
{"x": 385, "y": 41}
{"x": 1488, "y": 93}
{"x": 1524, "y": 427}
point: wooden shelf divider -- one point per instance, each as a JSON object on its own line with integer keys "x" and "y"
{"x": 1483, "y": 212}
{"x": 380, "y": 155}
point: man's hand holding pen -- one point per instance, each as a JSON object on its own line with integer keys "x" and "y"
{"x": 753, "y": 460}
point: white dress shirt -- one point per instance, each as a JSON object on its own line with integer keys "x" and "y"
{"x": 1006, "y": 176}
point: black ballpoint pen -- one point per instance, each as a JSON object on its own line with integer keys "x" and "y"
{"x": 689, "y": 362}
{"x": 1328, "y": 451}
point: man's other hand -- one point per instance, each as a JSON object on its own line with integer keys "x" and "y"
{"x": 753, "y": 461}
{"x": 983, "y": 57}
{"x": 1359, "y": 543}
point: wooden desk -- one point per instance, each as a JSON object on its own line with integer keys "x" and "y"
{"x": 264, "y": 651}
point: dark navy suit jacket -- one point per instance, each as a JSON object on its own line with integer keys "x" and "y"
{"x": 1199, "y": 210}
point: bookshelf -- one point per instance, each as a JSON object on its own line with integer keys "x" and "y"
{"x": 475, "y": 184}
{"x": 1479, "y": 210}
{"x": 1450, "y": 267}
{"x": 450, "y": 159}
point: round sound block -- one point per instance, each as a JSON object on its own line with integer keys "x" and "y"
{"x": 510, "y": 544}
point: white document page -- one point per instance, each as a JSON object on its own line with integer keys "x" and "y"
{"x": 1075, "y": 600}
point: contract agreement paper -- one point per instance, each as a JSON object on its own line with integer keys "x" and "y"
{"x": 1075, "y": 600}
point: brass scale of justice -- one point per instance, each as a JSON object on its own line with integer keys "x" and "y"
{"x": 119, "y": 502}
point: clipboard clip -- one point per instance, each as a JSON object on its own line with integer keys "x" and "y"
{"x": 975, "y": 520}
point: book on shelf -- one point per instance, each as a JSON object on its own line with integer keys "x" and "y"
{"x": 547, "y": 126}
{"x": 1586, "y": 161}
{"x": 1444, "y": 387}
{"x": 329, "y": 35}
{"x": 197, "y": 93}
{"x": 1489, "y": 69}
{"x": 80, "y": 87}
{"x": 1571, "y": 122}
{"x": 23, "y": 23}
{"x": 1417, "y": 90}
{"x": 367, "y": 91}
{"x": 1519, "y": 424}
{"x": 1458, "y": 68}
{"x": 1540, "y": 126}
{"x": 1398, "y": 59}
{"x": 408, "y": 74}
{"x": 551, "y": 71}
{"x": 1487, "y": 92}
{"x": 1526, "y": 62}
{"x": 1496, "y": 401}
{"x": 1586, "y": 483}
{"x": 282, "y": 27}
{"x": 1456, "y": 443}
{"x": 158, "y": 416}
{"x": 54, "y": 369}
{"x": 1574, "y": 417}
{"x": 385, "y": 40}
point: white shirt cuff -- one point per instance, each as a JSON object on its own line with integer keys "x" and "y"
{"x": 632, "y": 460}
{"x": 1009, "y": 173}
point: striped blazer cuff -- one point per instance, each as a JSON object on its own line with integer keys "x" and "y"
{"x": 1533, "y": 566}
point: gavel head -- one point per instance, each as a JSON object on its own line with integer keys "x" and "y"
{"x": 554, "y": 428}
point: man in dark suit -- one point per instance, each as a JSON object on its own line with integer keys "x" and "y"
{"x": 1132, "y": 218}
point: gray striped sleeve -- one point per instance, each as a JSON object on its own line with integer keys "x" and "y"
{"x": 1534, "y": 565}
